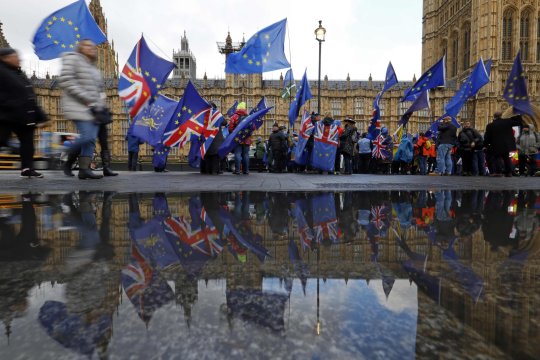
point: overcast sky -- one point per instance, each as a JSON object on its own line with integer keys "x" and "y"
{"x": 362, "y": 35}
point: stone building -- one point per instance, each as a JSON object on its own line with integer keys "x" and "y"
{"x": 466, "y": 30}
{"x": 3, "y": 41}
{"x": 186, "y": 64}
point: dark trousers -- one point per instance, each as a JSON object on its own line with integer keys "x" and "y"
{"x": 25, "y": 134}
{"x": 478, "y": 163}
{"x": 212, "y": 164}
{"x": 529, "y": 160}
{"x": 279, "y": 160}
{"x": 466, "y": 161}
{"x": 500, "y": 164}
{"x": 133, "y": 159}
{"x": 347, "y": 159}
{"x": 363, "y": 163}
{"x": 103, "y": 137}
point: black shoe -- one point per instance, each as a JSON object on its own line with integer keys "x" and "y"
{"x": 246, "y": 173}
{"x": 86, "y": 174}
{"x": 236, "y": 173}
{"x": 30, "y": 173}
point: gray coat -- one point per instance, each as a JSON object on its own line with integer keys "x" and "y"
{"x": 83, "y": 87}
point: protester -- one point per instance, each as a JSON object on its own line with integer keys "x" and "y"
{"x": 348, "y": 140}
{"x": 83, "y": 93}
{"x": 133, "y": 151}
{"x": 260, "y": 153}
{"x": 499, "y": 141}
{"x": 364, "y": 153}
{"x": 278, "y": 146}
{"x": 19, "y": 111}
{"x": 211, "y": 158}
{"x": 528, "y": 145}
{"x": 241, "y": 152}
{"x": 423, "y": 153}
{"x": 469, "y": 141}
{"x": 315, "y": 117}
{"x": 403, "y": 157}
{"x": 446, "y": 140}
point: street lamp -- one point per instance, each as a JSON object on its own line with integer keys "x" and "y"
{"x": 320, "y": 32}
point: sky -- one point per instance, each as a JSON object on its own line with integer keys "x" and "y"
{"x": 362, "y": 35}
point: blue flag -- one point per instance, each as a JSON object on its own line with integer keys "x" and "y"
{"x": 432, "y": 78}
{"x": 232, "y": 109}
{"x": 325, "y": 224}
{"x": 421, "y": 102}
{"x": 515, "y": 91}
{"x": 478, "y": 78}
{"x": 263, "y": 52}
{"x": 150, "y": 124}
{"x": 190, "y": 118}
{"x": 326, "y": 140}
{"x": 303, "y": 95}
{"x": 194, "y": 155}
{"x": 242, "y": 131}
{"x": 389, "y": 81}
{"x": 142, "y": 77}
{"x": 289, "y": 85}
{"x": 306, "y": 129}
{"x": 62, "y": 30}
{"x": 261, "y": 105}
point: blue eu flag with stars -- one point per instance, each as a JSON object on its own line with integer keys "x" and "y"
{"x": 149, "y": 125}
{"x": 303, "y": 95}
{"x": 64, "y": 29}
{"x": 432, "y": 78}
{"x": 515, "y": 91}
{"x": 421, "y": 102}
{"x": 263, "y": 52}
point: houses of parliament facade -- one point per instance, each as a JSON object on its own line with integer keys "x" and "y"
{"x": 464, "y": 30}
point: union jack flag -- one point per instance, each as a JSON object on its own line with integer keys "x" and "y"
{"x": 211, "y": 128}
{"x": 137, "y": 275}
{"x": 204, "y": 239}
{"x": 378, "y": 216}
{"x": 326, "y": 230}
{"x": 327, "y": 134}
{"x": 142, "y": 77}
{"x": 306, "y": 127}
{"x": 304, "y": 231}
{"x": 381, "y": 148}
{"x": 325, "y": 146}
{"x": 325, "y": 225}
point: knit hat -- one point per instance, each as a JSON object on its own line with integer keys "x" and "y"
{"x": 7, "y": 51}
{"x": 241, "y": 106}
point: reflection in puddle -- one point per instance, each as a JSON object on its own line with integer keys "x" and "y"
{"x": 270, "y": 275}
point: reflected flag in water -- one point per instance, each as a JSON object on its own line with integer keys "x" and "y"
{"x": 325, "y": 224}
{"x": 465, "y": 275}
{"x": 304, "y": 231}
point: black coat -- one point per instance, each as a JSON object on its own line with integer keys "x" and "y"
{"x": 447, "y": 134}
{"x": 218, "y": 140}
{"x": 467, "y": 136}
{"x": 278, "y": 142}
{"x": 18, "y": 104}
{"x": 499, "y": 137}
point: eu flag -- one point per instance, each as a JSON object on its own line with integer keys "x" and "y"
{"x": 432, "y": 78}
{"x": 189, "y": 120}
{"x": 325, "y": 224}
{"x": 515, "y": 91}
{"x": 142, "y": 77}
{"x": 232, "y": 109}
{"x": 242, "y": 131}
{"x": 289, "y": 85}
{"x": 263, "y": 52}
{"x": 478, "y": 78}
{"x": 326, "y": 140}
{"x": 62, "y": 30}
{"x": 421, "y": 102}
{"x": 150, "y": 124}
{"x": 261, "y": 105}
{"x": 389, "y": 81}
{"x": 303, "y": 95}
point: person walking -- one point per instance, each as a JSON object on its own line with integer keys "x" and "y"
{"x": 499, "y": 141}
{"x": 83, "y": 96}
{"x": 241, "y": 151}
{"x": 528, "y": 145}
{"x": 19, "y": 111}
{"x": 446, "y": 140}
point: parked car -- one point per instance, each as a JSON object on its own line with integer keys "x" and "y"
{"x": 253, "y": 162}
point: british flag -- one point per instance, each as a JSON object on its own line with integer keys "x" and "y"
{"x": 211, "y": 128}
{"x": 325, "y": 145}
{"x": 381, "y": 148}
{"x": 378, "y": 216}
{"x": 142, "y": 77}
{"x": 306, "y": 126}
{"x": 203, "y": 239}
{"x": 304, "y": 231}
{"x": 194, "y": 126}
{"x": 137, "y": 275}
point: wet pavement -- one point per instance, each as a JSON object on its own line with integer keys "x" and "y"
{"x": 270, "y": 275}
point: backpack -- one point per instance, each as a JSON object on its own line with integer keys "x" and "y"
{"x": 428, "y": 144}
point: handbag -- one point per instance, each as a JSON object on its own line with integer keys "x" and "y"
{"x": 102, "y": 116}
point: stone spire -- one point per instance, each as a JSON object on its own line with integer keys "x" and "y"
{"x": 3, "y": 41}
{"x": 107, "y": 59}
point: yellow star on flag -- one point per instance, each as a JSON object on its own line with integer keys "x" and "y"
{"x": 62, "y": 19}
{"x": 49, "y": 36}
{"x": 70, "y": 22}
{"x": 154, "y": 79}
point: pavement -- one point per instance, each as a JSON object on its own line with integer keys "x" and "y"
{"x": 146, "y": 181}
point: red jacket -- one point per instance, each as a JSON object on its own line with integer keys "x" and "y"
{"x": 234, "y": 121}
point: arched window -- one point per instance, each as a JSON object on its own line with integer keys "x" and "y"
{"x": 455, "y": 52}
{"x": 525, "y": 34}
{"x": 466, "y": 46}
{"x": 508, "y": 31}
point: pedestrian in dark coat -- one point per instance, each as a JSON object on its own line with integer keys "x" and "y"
{"x": 348, "y": 140}
{"x": 499, "y": 141}
{"x": 278, "y": 146}
{"x": 133, "y": 151}
{"x": 19, "y": 111}
{"x": 211, "y": 158}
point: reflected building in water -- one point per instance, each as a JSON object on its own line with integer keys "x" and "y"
{"x": 474, "y": 255}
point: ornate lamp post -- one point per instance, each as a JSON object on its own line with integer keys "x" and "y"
{"x": 320, "y": 32}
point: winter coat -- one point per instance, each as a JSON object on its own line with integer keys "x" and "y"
{"x": 467, "y": 136}
{"x": 421, "y": 146}
{"x": 83, "y": 87}
{"x": 529, "y": 143}
{"x": 447, "y": 134}
{"x": 133, "y": 143}
{"x": 499, "y": 137}
{"x": 216, "y": 143}
{"x": 18, "y": 104}
{"x": 236, "y": 119}
{"x": 364, "y": 146}
{"x": 278, "y": 142}
{"x": 260, "y": 150}
{"x": 348, "y": 140}
{"x": 404, "y": 152}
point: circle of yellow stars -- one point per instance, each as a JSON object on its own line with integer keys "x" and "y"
{"x": 63, "y": 20}
{"x": 253, "y": 61}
